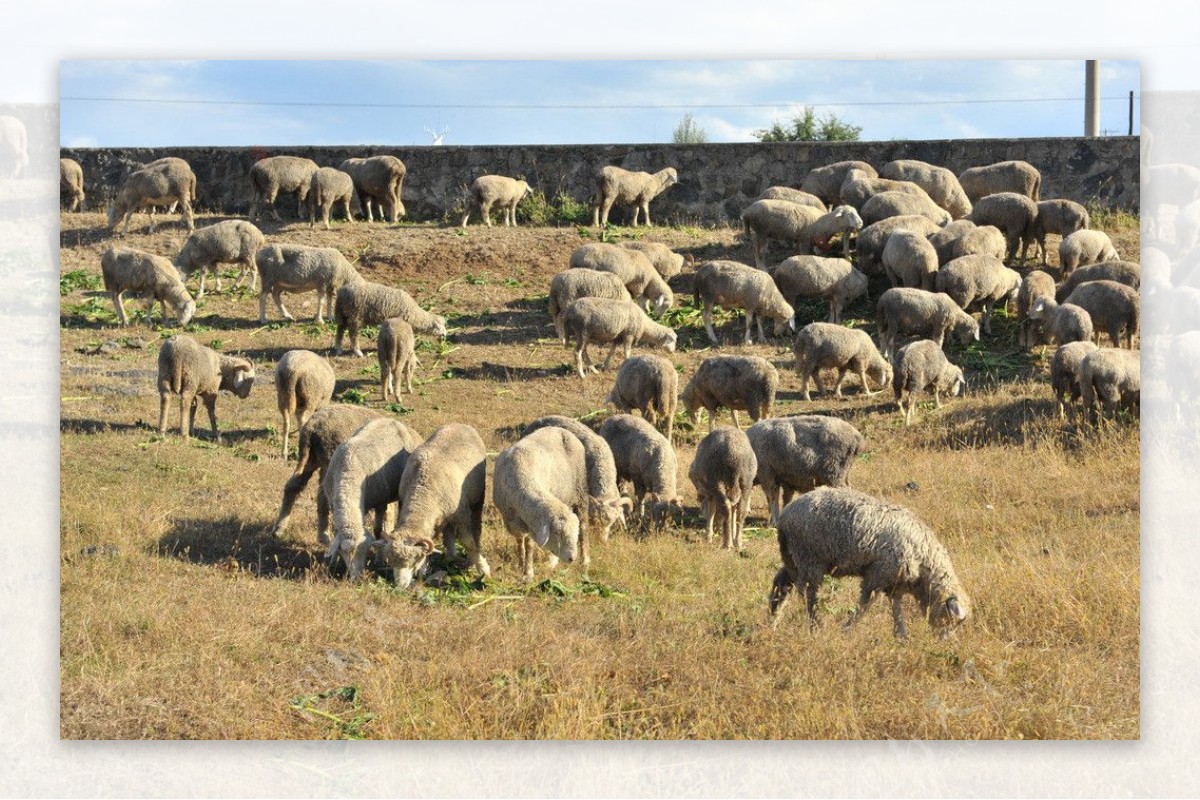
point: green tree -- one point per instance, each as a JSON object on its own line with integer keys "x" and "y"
{"x": 807, "y": 127}
{"x": 688, "y": 131}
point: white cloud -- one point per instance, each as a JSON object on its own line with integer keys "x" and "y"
{"x": 83, "y": 140}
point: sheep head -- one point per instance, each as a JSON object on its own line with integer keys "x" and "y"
{"x": 560, "y": 535}
{"x": 404, "y": 554}
{"x": 237, "y": 376}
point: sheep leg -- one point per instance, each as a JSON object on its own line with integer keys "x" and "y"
{"x": 119, "y": 304}
{"x": 216, "y": 271}
{"x": 287, "y": 431}
{"x": 612, "y": 350}
{"x": 781, "y": 587}
{"x": 354, "y": 348}
{"x": 762, "y": 337}
{"x": 277, "y": 294}
{"x": 712, "y": 335}
{"x": 749, "y": 323}
{"x": 408, "y": 373}
{"x": 772, "y": 492}
{"x": 187, "y": 414}
{"x": 727, "y": 533}
{"x": 759, "y": 247}
{"x": 150, "y": 312}
{"x": 162, "y": 414}
{"x": 733, "y": 413}
{"x": 816, "y": 375}
{"x": 898, "y": 617}
{"x": 645, "y": 213}
{"x": 865, "y": 597}
{"x": 804, "y": 383}
{"x": 210, "y": 405}
{"x": 837, "y": 389}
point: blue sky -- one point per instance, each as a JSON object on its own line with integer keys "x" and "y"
{"x": 563, "y": 102}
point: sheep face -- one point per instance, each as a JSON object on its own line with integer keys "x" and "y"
{"x": 609, "y": 512}
{"x": 560, "y": 536}
{"x": 440, "y": 328}
{"x": 849, "y": 218}
{"x": 967, "y": 330}
{"x": 406, "y": 556}
{"x": 946, "y": 615}
{"x": 186, "y": 312}
{"x": 784, "y": 324}
{"x": 955, "y": 382}
{"x": 237, "y": 377}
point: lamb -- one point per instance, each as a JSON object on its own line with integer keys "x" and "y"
{"x": 793, "y": 196}
{"x": 650, "y": 384}
{"x": 898, "y": 204}
{"x": 232, "y": 241}
{"x": 1128, "y": 273}
{"x": 618, "y": 186}
{"x": 903, "y": 312}
{"x": 723, "y": 473}
{"x": 1014, "y": 214}
{"x": 299, "y": 268}
{"x": 620, "y": 322}
{"x": 1035, "y": 286}
{"x": 909, "y": 259}
{"x": 873, "y": 238}
{"x": 1065, "y": 372}
{"x": 1112, "y": 306}
{"x": 127, "y": 270}
{"x": 327, "y": 188}
{"x": 826, "y": 182}
{"x": 363, "y": 475}
{"x": 70, "y": 183}
{"x": 940, "y": 183}
{"x": 858, "y": 188}
{"x": 303, "y": 383}
{"x": 378, "y": 179}
{"x": 645, "y": 458}
{"x": 397, "y": 354}
{"x": 978, "y": 279}
{"x": 270, "y": 177}
{"x": 161, "y": 183}
{"x": 1064, "y": 323}
{"x": 1110, "y": 378}
{"x": 921, "y": 366}
{"x": 733, "y": 285}
{"x": 14, "y": 145}
{"x": 364, "y": 303}
{"x": 632, "y": 266}
{"x": 195, "y": 372}
{"x": 442, "y": 491}
{"x": 748, "y": 383}
{"x": 813, "y": 276}
{"x": 838, "y": 531}
{"x": 1020, "y": 177}
{"x": 823, "y": 345}
{"x": 665, "y": 261}
{"x": 796, "y": 454}
{"x": 490, "y": 190}
{"x": 1063, "y": 217}
{"x": 805, "y": 226}
{"x": 569, "y": 285}
{"x": 1085, "y": 247}
{"x": 540, "y": 488}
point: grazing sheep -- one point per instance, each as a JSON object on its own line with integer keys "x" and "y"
{"x": 1065, "y": 373}
{"x": 796, "y": 454}
{"x": 397, "y": 354}
{"x": 1128, "y": 273}
{"x": 195, "y": 372}
{"x": 978, "y": 279}
{"x": 903, "y": 312}
{"x": 1020, "y": 177}
{"x": 732, "y": 285}
{"x": 320, "y": 436}
{"x": 633, "y": 267}
{"x": 843, "y": 532}
{"x": 1084, "y": 247}
{"x": 303, "y": 383}
{"x": 160, "y": 183}
{"x": 902, "y": 204}
{"x": 650, "y": 384}
{"x": 804, "y": 226}
{"x": 619, "y": 322}
{"x": 14, "y": 145}
{"x": 826, "y": 182}
{"x": 645, "y": 458}
{"x": 748, "y": 383}
{"x": 921, "y": 366}
{"x": 277, "y": 175}
{"x": 364, "y": 303}
{"x": 490, "y": 190}
{"x": 299, "y": 268}
{"x": 127, "y": 270}
{"x": 1112, "y": 306}
{"x": 616, "y": 186}
{"x": 70, "y": 183}
{"x": 723, "y": 473}
{"x": 540, "y": 488}
{"x": 1035, "y": 286}
{"x": 909, "y": 259}
{"x": 233, "y": 241}
{"x": 571, "y": 284}
{"x": 801, "y": 277}
{"x": 1051, "y": 322}
{"x": 1110, "y": 378}
{"x": 665, "y": 261}
{"x": 1012, "y": 213}
{"x": 939, "y": 183}
{"x": 1063, "y": 217}
{"x": 793, "y": 196}
{"x": 378, "y": 179}
{"x": 963, "y": 238}
{"x": 873, "y": 238}
{"x": 823, "y": 345}
{"x": 327, "y": 188}
{"x": 858, "y": 188}
{"x": 364, "y": 475}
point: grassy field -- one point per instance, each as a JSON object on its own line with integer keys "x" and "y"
{"x": 182, "y": 618}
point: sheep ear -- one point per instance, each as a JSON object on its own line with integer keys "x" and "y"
{"x": 625, "y": 503}
{"x": 792, "y": 323}
{"x": 542, "y": 537}
{"x": 425, "y": 544}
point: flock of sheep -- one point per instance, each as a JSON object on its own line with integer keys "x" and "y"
{"x": 942, "y": 240}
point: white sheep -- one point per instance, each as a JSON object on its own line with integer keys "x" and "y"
{"x": 1051, "y": 322}
{"x": 902, "y": 312}
{"x": 804, "y": 226}
{"x": 1035, "y": 286}
{"x": 304, "y": 383}
{"x": 732, "y": 285}
{"x": 571, "y": 284}
{"x": 1126, "y": 272}
{"x": 646, "y": 459}
{"x": 873, "y": 238}
{"x": 1013, "y": 214}
{"x": 1113, "y": 308}
{"x": 127, "y": 270}
{"x": 748, "y": 383}
{"x": 1065, "y": 373}
{"x": 232, "y": 241}
{"x": 364, "y": 303}
{"x": 1110, "y": 378}
{"x": 649, "y": 384}
{"x": 858, "y": 188}
{"x": 801, "y": 277}
{"x": 978, "y": 279}
{"x": 299, "y": 268}
{"x": 665, "y": 261}
{"x": 270, "y": 177}
{"x": 70, "y": 183}
{"x": 723, "y": 473}
{"x": 793, "y": 196}
{"x": 921, "y": 366}
{"x": 633, "y": 267}
{"x": 962, "y": 237}
{"x": 1063, "y": 217}
{"x": 161, "y": 183}
{"x": 824, "y": 345}
{"x": 195, "y": 372}
{"x": 397, "y": 354}
{"x": 327, "y": 188}
{"x": 1085, "y": 247}
{"x": 378, "y": 180}
{"x": 826, "y": 182}
{"x": 1004, "y": 176}
{"x": 902, "y": 204}
{"x": 604, "y": 321}
{"x": 490, "y": 190}
{"x": 939, "y": 183}
{"x": 909, "y": 259}
{"x": 616, "y": 186}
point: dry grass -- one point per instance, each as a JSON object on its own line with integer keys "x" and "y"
{"x": 182, "y": 619}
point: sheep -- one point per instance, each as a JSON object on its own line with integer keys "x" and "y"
{"x": 963, "y": 238}
{"x": 1064, "y": 323}
{"x": 1063, "y": 217}
{"x": 836, "y": 531}
{"x": 618, "y": 186}
{"x": 195, "y": 372}
{"x": 823, "y": 345}
{"x": 1112, "y": 307}
{"x": 1084, "y": 247}
{"x": 645, "y": 458}
{"x": 898, "y": 204}
{"x": 873, "y": 238}
{"x": 571, "y": 284}
{"x": 327, "y": 188}
{"x": 748, "y": 383}
{"x": 70, "y": 183}
{"x": 793, "y": 196}
{"x": 801, "y": 277}
{"x": 1126, "y": 272}
{"x": 1110, "y": 378}
{"x": 303, "y": 383}
{"x": 1020, "y": 177}
{"x": 903, "y": 312}
{"x": 940, "y": 184}
{"x": 796, "y": 454}
{"x": 620, "y": 322}
{"x": 127, "y": 270}
{"x": 733, "y": 285}
{"x": 921, "y": 366}
{"x": 632, "y": 266}
{"x": 978, "y": 279}
{"x": 1034, "y": 286}
{"x": 378, "y": 179}
{"x": 365, "y": 303}
{"x": 363, "y": 475}
{"x": 1012, "y": 213}
{"x": 489, "y": 190}
{"x": 269, "y": 177}
{"x": 1065, "y": 373}
{"x": 161, "y": 183}
{"x": 299, "y": 268}
{"x": 858, "y": 188}
{"x": 232, "y": 241}
{"x": 14, "y": 145}
{"x": 397, "y": 354}
{"x": 650, "y": 384}
{"x": 826, "y": 182}
{"x": 723, "y": 473}
{"x": 442, "y": 491}
{"x": 320, "y": 436}
{"x": 909, "y": 259}
{"x": 539, "y": 485}
{"x": 805, "y": 226}
{"x": 665, "y": 261}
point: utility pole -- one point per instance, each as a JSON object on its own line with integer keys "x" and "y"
{"x": 1091, "y": 102}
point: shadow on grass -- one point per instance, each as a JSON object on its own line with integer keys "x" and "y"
{"x": 491, "y": 371}
{"x": 228, "y": 542}
{"x": 1025, "y": 421}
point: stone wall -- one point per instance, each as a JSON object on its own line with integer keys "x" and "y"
{"x": 716, "y": 181}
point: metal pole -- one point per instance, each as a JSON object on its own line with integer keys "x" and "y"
{"x": 1091, "y": 103}
{"x": 1131, "y": 112}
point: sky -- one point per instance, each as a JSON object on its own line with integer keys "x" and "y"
{"x": 122, "y": 103}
